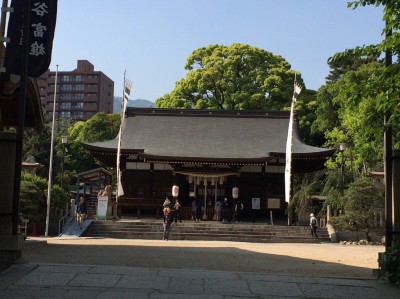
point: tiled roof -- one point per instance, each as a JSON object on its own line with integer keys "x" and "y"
{"x": 200, "y": 135}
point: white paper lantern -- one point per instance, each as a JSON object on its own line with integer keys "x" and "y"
{"x": 175, "y": 190}
{"x": 235, "y": 192}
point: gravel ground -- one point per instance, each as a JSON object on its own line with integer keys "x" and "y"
{"x": 323, "y": 260}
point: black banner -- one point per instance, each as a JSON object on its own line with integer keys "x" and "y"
{"x": 42, "y": 23}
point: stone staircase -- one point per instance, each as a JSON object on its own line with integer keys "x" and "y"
{"x": 205, "y": 230}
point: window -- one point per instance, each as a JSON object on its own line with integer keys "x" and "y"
{"x": 78, "y": 105}
{"x": 64, "y": 106}
{"x": 79, "y": 87}
{"x": 77, "y": 115}
{"x": 71, "y": 96}
{"x": 65, "y": 114}
{"x": 66, "y": 78}
{"x": 66, "y": 87}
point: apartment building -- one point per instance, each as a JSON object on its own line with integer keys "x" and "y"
{"x": 81, "y": 93}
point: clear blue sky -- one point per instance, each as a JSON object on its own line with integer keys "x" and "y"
{"x": 151, "y": 39}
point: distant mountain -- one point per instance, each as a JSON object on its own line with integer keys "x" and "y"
{"x": 131, "y": 103}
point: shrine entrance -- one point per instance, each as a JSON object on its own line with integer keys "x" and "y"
{"x": 209, "y": 186}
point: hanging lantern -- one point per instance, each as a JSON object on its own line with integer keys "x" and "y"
{"x": 205, "y": 181}
{"x": 190, "y": 179}
{"x": 198, "y": 181}
{"x": 221, "y": 180}
{"x": 212, "y": 181}
{"x": 235, "y": 192}
{"x": 175, "y": 191}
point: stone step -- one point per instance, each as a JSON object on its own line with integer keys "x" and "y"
{"x": 241, "y": 232}
{"x": 322, "y": 233}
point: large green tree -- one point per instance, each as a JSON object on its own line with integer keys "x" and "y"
{"x": 33, "y": 198}
{"x": 346, "y": 114}
{"x": 98, "y": 128}
{"x": 233, "y": 77}
{"x": 389, "y": 81}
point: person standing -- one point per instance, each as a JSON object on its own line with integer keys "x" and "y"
{"x": 167, "y": 203}
{"x": 193, "y": 209}
{"x": 81, "y": 211}
{"x": 224, "y": 210}
{"x": 198, "y": 209}
{"x": 167, "y": 223}
{"x": 313, "y": 226}
{"x": 218, "y": 205}
{"x": 239, "y": 210}
{"x": 177, "y": 211}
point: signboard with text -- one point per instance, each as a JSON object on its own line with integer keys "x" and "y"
{"x": 273, "y": 203}
{"x": 255, "y": 203}
{"x": 42, "y": 23}
{"x": 102, "y": 204}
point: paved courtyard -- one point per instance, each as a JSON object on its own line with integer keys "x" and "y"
{"x": 112, "y": 268}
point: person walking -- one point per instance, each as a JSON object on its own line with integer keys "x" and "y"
{"x": 313, "y": 226}
{"x": 177, "y": 211}
{"x": 81, "y": 211}
{"x": 167, "y": 223}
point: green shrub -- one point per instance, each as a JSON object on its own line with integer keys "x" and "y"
{"x": 389, "y": 264}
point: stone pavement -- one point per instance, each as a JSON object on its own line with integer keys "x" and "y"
{"x": 89, "y": 281}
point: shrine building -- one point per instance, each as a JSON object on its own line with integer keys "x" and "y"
{"x": 208, "y": 154}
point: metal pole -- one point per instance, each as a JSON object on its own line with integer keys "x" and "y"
{"x": 342, "y": 178}
{"x": 51, "y": 157}
{"x": 62, "y": 164}
{"x": 21, "y": 118}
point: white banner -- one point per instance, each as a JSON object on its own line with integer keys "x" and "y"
{"x": 289, "y": 143}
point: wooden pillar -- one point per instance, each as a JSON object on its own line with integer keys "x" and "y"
{"x": 77, "y": 189}
{"x": 10, "y": 243}
{"x": 151, "y": 181}
{"x": 396, "y": 195}
{"x": 205, "y": 199}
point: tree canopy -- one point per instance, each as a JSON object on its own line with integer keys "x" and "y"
{"x": 98, "y": 128}
{"x": 233, "y": 77}
{"x": 389, "y": 80}
{"x": 346, "y": 114}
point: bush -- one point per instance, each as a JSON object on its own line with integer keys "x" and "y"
{"x": 362, "y": 202}
{"x": 389, "y": 264}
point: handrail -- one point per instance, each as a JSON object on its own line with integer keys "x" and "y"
{"x": 64, "y": 219}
